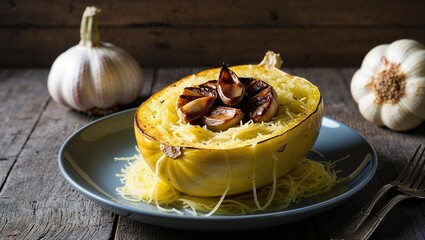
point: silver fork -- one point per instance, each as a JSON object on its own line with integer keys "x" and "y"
{"x": 410, "y": 183}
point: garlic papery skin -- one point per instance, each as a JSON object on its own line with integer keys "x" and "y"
{"x": 93, "y": 76}
{"x": 389, "y": 87}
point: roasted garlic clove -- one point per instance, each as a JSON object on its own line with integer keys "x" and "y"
{"x": 232, "y": 97}
{"x": 211, "y": 83}
{"x": 230, "y": 89}
{"x": 221, "y": 118}
{"x": 195, "y": 109}
{"x": 205, "y": 91}
{"x": 253, "y": 86}
{"x": 192, "y": 93}
{"x": 183, "y": 100}
{"x": 263, "y": 106}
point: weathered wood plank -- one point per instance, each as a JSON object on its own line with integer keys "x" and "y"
{"x": 36, "y": 202}
{"x": 166, "y": 47}
{"x": 129, "y": 229}
{"x": 23, "y": 96}
{"x": 218, "y": 13}
{"x": 166, "y": 76}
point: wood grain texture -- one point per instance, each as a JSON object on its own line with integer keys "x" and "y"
{"x": 169, "y": 33}
{"x": 36, "y": 201}
{"x": 20, "y": 108}
{"x": 166, "y": 76}
{"x": 208, "y": 47}
{"x": 221, "y": 13}
{"x": 129, "y": 229}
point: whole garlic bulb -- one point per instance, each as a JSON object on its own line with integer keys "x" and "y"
{"x": 93, "y": 76}
{"x": 390, "y": 85}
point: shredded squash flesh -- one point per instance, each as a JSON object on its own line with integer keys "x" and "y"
{"x": 241, "y": 170}
{"x": 298, "y": 99}
{"x": 307, "y": 178}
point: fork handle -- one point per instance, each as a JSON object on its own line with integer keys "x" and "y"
{"x": 366, "y": 230}
{"x": 355, "y": 222}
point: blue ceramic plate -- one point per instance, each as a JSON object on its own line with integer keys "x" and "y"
{"x": 86, "y": 160}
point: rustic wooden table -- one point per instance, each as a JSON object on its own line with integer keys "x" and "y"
{"x": 37, "y": 203}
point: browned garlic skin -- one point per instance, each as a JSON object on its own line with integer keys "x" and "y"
{"x": 211, "y": 83}
{"x": 230, "y": 89}
{"x": 263, "y": 106}
{"x": 221, "y": 118}
{"x": 195, "y": 109}
{"x": 242, "y": 97}
{"x": 192, "y": 93}
{"x": 253, "y": 86}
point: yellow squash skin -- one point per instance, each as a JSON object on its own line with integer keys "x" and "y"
{"x": 207, "y": 169}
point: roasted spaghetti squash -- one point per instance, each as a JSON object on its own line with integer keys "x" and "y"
{"x": 198, "y": 161}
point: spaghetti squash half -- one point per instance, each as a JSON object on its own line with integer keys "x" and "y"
{"x": 200, "y": 162}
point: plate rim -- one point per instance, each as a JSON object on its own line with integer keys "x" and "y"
{"x": 105, "y": 203}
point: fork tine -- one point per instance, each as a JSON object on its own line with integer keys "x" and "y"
{"x": 406, "y": 173}
{"x": 417, "y": 169}
{"x": 420, "y": 184}
{"x": 410, "y": 184}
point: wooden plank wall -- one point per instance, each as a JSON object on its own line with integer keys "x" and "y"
{"x": 167, "y": 33}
